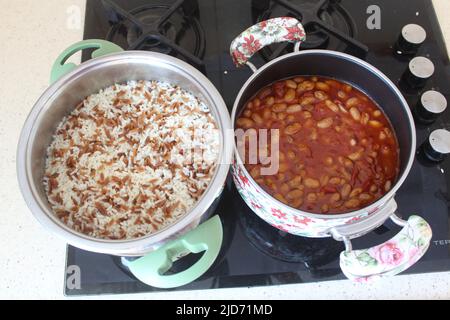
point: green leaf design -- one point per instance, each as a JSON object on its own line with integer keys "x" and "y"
{"x": 420, "y": 242}
{"x": 366, "y": 259}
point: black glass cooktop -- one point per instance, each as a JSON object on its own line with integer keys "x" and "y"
{"x": 200, "y": 32}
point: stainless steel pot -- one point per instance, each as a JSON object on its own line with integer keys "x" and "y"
{"x": 71, "y": 85}
{"x": 342, "y": 227}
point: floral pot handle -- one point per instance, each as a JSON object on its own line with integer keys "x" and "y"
{"x": 391, "y": 257}
{"x": 61, "y": 68}
{"x": 265, "y": 33}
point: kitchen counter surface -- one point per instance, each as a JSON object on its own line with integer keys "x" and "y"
{"x": 32, "y": 260}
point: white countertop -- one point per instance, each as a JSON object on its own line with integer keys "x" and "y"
{"x": 31, "y": 259}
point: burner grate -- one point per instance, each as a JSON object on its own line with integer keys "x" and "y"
{"x": 328, "y": 25}
{"x": 171, "y": 29}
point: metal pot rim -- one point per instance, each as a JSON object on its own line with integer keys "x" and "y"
{"x": 380, "y": 202}
{"x": 123, "y": 247}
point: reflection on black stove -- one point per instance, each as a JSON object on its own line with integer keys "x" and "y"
{"x": 166, "y": 28}
{"x": 312, "y": 252}
{"x": 328, "y": 25}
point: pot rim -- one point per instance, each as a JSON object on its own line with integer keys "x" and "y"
{"x": 372, "y": 207}
{"x": 130, "y": 246}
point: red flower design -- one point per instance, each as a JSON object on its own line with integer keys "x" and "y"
{"x": 282, "y": 228}
{"x": 354, "y": 219}
{"x": 294, "y": 33}
{"x": 305, "y": 221}
{"x": 263, "y": 24}
{"x": 277, "y": 213}
{"x": 255, "y": 205}
{"x": 251, "y": 44}
{"x": 244, "y": 180}
{"x": 238, "y": 57}
{"x": 389, "y": 254}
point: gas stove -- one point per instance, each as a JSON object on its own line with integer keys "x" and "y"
{"x": 200, "y": 32}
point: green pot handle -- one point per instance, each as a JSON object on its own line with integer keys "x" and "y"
{"x": 150, "y": 269}
{"x": 61, "y": 68}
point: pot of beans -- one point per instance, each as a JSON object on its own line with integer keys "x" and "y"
{"x": 127, "y": 154}
{"x": 323, "y": 142}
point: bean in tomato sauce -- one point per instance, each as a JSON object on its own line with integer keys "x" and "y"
{"x": 337, "y": 149}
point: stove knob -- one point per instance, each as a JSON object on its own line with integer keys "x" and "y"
{"x": 420, "y": 69}
{"x": 410, "y": 39}
{"x": 437, "y": 147}
{"x": 431, "y": 105}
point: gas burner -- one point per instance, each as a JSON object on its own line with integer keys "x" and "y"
{"x": 328, "y": 25}
{"x": 169, "y": 29}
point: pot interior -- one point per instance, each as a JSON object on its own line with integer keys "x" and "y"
{"x": 345, "y": 69}
{"x": 64, "y": 95}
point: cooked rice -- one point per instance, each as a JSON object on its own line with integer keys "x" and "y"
{"x": 131, "y": 160}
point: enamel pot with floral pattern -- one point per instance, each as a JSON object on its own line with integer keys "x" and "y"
{"x": 386, "y": 259}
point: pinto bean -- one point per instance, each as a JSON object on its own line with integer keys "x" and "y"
{"x": 322, "y": 86}
{"x": 296, "y": 193}
{"x": 352, "y": 102}
{"x": 257, "y": 118}
{"x": 375, "y": 124}
{"x": 311, "y": 197}
{"x": 365, "y": 118}
{"x": 342, "y": 95}
{"x": 295, "y": 182}
{"x": 307, "y": 101}
{"x": 324, "y": 179}
{"x": 306, "y": 114}
{"x": 352, "y": 203}
{"x": 345, "y": 191}
{"x": 291, "y": 155}
{"x": 355, "y": 192}
{"x": 279, "y": 107}
{"x": 320, "y": 95}
{"x": 293, "y": 128}
{"x": 387, "y": 186}
{"x": 269, "y": 101}
{"x": 356, "y": 155}
{"x": 265, "y": 93}
{"x": 328, "y": 160}
{"x": 281, "y": 116}
{"x": 332, "y": 106}
{"x": 365, "y": 197}
{"x": 335, "y": 180}
{"x": 245, "y": 123}
{"x": 289, "y": 95}
{"x": 312, "y": 183}
{"x": 347, "y": 88}
{"x": 305, "y": 86}
{"x": 325, "y": 208}
{"x": 280, "y": 197}
{"x": 294, "y": 108}
{"x": 356, "y": 115}
{"x": 325, "y": 123}
{"x": 296, "y": 203}
{"x": 284, "y": 188}
{"x": 291, "y": 84}
{"x": 335, "y": 197}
